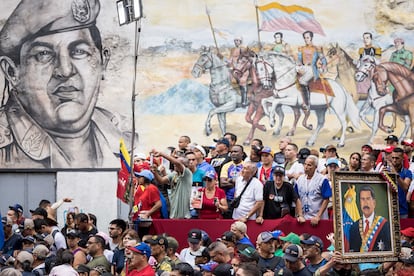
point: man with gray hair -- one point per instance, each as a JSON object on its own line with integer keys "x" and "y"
{"x": 249, "y": 190}
{"x": 219, "y": 253}
{"x": 314, "y": 191}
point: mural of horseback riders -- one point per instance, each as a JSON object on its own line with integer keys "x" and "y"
{"x": 273, "y": 80}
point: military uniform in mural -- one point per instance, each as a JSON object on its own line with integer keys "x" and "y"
{"x": 53, "y": 64}
{"x": 401, "y": 55}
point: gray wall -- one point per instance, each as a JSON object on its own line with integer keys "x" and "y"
{"x": 26, "y": 189}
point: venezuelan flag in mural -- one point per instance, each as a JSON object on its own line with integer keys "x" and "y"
{"x": 276, "y": 17}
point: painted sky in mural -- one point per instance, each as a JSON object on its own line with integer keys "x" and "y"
{"x": 172, "y": 35}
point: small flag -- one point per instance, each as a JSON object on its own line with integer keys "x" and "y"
{"x": 276, "y": 17}
{"x": 122, "y": 191}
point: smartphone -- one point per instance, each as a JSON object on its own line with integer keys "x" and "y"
{"x": 151, "y": 159}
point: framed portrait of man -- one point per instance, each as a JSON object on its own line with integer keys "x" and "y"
{"x": 366, "y": 218}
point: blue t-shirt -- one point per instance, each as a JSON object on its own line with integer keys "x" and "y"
{"x": 402, "y": 200}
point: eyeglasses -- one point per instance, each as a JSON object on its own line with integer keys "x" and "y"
{"x": 112, "y": 228}
{"x": 208, "y": 179}
{"x": 236, "y": 265}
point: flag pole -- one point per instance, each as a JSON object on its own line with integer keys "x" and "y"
{"x": 212, "y": 29}
{"x": 257, "y": 24}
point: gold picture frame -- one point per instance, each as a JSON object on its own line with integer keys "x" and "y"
{"x": 380, "y": 241}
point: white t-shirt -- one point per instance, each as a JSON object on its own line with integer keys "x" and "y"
{"x": 253, "y": 193}
{"x": 188, "y": 256}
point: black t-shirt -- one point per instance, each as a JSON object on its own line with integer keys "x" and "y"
{"x": 271, "y": 264}
{"x": 276, "y": 199}
{"x": 218, "y": 162}
{"x": 303, "y": 272}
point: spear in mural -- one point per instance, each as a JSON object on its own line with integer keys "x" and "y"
{"x": 212, "y": 29}
{"x": 257, "y": 24}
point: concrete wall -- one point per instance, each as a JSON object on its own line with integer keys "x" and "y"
{"x": 92, "y": 192}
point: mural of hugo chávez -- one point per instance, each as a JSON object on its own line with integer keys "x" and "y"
{"x": 53, "y": 61}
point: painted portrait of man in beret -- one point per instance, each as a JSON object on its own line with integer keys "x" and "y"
{"x": 53, "y": 63}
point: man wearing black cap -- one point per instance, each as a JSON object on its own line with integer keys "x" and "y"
{"x": 12, "y": 240}
{"x": 294, "y": 260}
{"x": 72, "y": 239}
{"x": 223, "y": 157}
{"x": 15, "y": 213}
{"x": 53, "y": 64}
{"x": 278, "y": 196}
{"x": 391, "y": 140}
{"x": 195, "y": 248}
{"x": 313, "y": 247}
{"x": 38, "y": 213}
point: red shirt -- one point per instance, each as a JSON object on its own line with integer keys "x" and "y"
{"x": 147, "y": 198}
{"x": 146, "y": 271}
{"x": 209, "y": 209}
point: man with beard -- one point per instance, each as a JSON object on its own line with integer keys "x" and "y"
{"x": 268, "y": 262}
{"x": 95, "y": 248}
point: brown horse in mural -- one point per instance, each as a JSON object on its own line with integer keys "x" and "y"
{"x": 262, "y": 87}
{"x": 403, "y": 81}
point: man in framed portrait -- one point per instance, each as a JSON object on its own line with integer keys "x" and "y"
{"x": 372, "y": 231}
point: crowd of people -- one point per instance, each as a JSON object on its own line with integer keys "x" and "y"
{"x": 192, "y": 181}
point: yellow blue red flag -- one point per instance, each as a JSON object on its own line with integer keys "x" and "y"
{"x": 276, "y": 17}
{"x": 350, "y": 213}
{"x": 124, "y": 172}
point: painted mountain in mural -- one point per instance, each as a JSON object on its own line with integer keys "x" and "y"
{"x": 186, "y": 97}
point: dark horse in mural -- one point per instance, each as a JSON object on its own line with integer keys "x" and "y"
{"x": 262, "y": 78}
{"x": 222, "y": 94}
{"x": 377, "y": 99}
{"x": 403, "y": 81}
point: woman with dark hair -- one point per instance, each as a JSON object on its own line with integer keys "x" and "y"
{"x": 69, "y": 223}
{"x": 354, "y": 162}
{"x": 129, "y": 238}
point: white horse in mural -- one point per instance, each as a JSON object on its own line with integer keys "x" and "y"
{"x": 223, "y": 96}
{"x": 287, "y": 94}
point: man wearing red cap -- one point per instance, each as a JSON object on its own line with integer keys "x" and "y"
{"x": 407, "y": 235}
